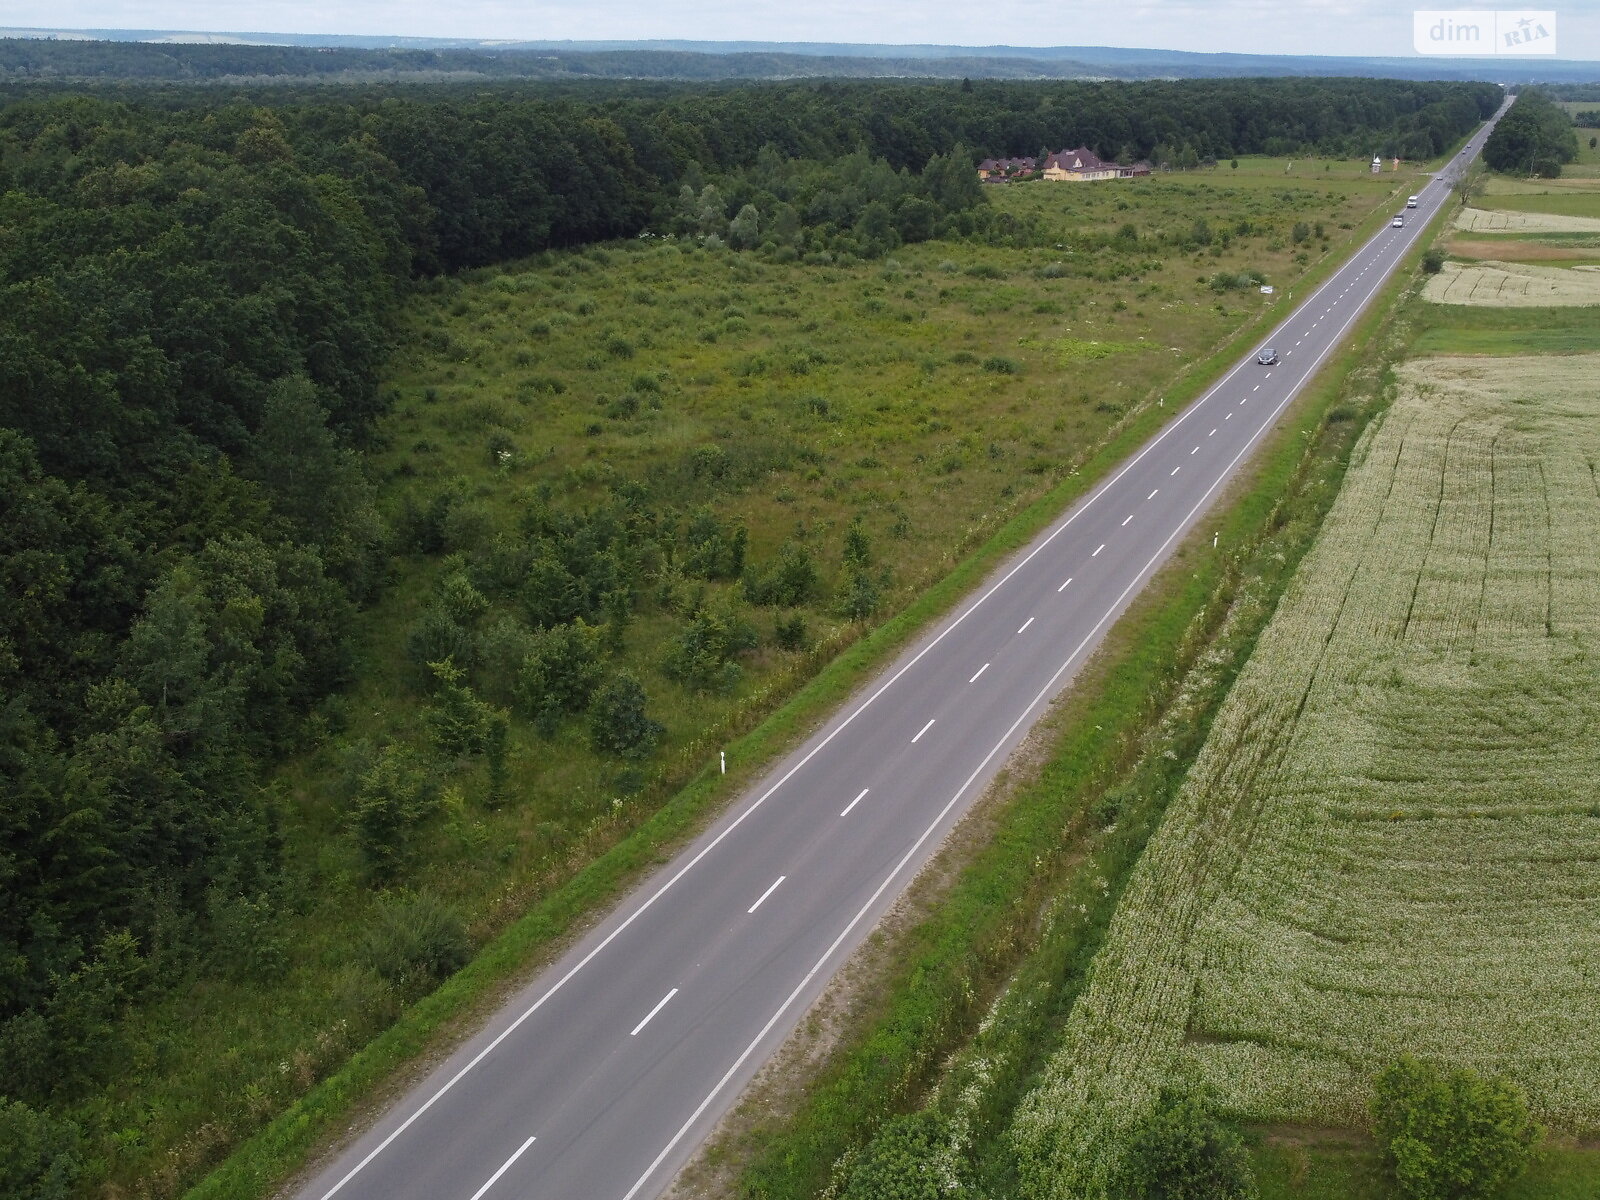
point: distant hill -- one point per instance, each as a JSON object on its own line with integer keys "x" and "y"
{"x": 101, "y": 54}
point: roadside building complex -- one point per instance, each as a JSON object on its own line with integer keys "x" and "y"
{"x": 1081, "y": 164}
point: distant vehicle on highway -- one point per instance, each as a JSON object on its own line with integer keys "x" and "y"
{"x": 1267, "y": 357}
{"x": 1399, "y": 220}
{"x": 1411, "y": 201}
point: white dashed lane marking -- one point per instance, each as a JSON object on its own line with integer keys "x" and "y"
{"x": 764, "y": 896}
{"x": 650, "y": 1016}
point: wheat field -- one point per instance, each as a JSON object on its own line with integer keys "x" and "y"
{"x": 1512, "y": 285}
{"x": 1391, "y": 840}
{"x": 1484, "y": 220}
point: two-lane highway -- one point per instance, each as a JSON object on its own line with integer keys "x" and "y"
{"x": 601, "y": 1078}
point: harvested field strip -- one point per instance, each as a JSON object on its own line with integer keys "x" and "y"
{"x": 1484, "y": 220}
{"x": 1511, "y": 249}
{"x": 1391, "y": 840}
{"x": 1520, "y": 285}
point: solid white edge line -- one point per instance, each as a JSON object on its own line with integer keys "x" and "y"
{"x": 504, "y": 1167}
{"x": 981, "y": 670}
{"x": 854, "y": 802}
{"x": 999, "y": 583}
{"x": 923, "y": 730}
{"x": 764, "y": 895}
{"x": 650, "y": 1016}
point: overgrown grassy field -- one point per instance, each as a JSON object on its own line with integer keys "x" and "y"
{"x": 1388, "y": 844}
{"x": 1574, "y": 197}
{"x": 1306, "y": 1165}
{"x": 929, "y": 397}
{"x": 1457, "y": 329}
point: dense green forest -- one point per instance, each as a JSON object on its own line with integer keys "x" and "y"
{"x": 1535, "y": 137}
{"x": 197, "y": 294}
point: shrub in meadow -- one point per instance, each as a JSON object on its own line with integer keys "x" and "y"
{"x": 416, "y": 938}
{"x": 1451, "y": 1134}
{"x": 618, "y": 724}
{"x": 910, "y": 1159}
{"x": 1183, "y": 1150}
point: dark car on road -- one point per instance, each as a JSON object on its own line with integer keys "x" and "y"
{"x": 1267, "y": 357}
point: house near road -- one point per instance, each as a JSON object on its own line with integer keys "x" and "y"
{"x": 1078, "y": 165}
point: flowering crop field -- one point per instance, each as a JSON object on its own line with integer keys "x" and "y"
{"x": 1520, "y": 285}
{"x": 1391, "y": 840}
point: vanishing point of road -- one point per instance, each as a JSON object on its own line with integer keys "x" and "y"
{"x": 599, "y": 1080}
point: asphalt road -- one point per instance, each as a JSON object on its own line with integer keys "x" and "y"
{"x": 601, "y": 1078}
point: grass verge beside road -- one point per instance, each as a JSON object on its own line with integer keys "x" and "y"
{"x": 1317, "y": 1166}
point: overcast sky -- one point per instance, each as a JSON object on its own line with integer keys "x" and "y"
{"x": 1365, "y": 27}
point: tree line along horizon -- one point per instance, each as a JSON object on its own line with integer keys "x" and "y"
{"x": 197, "y": 297}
